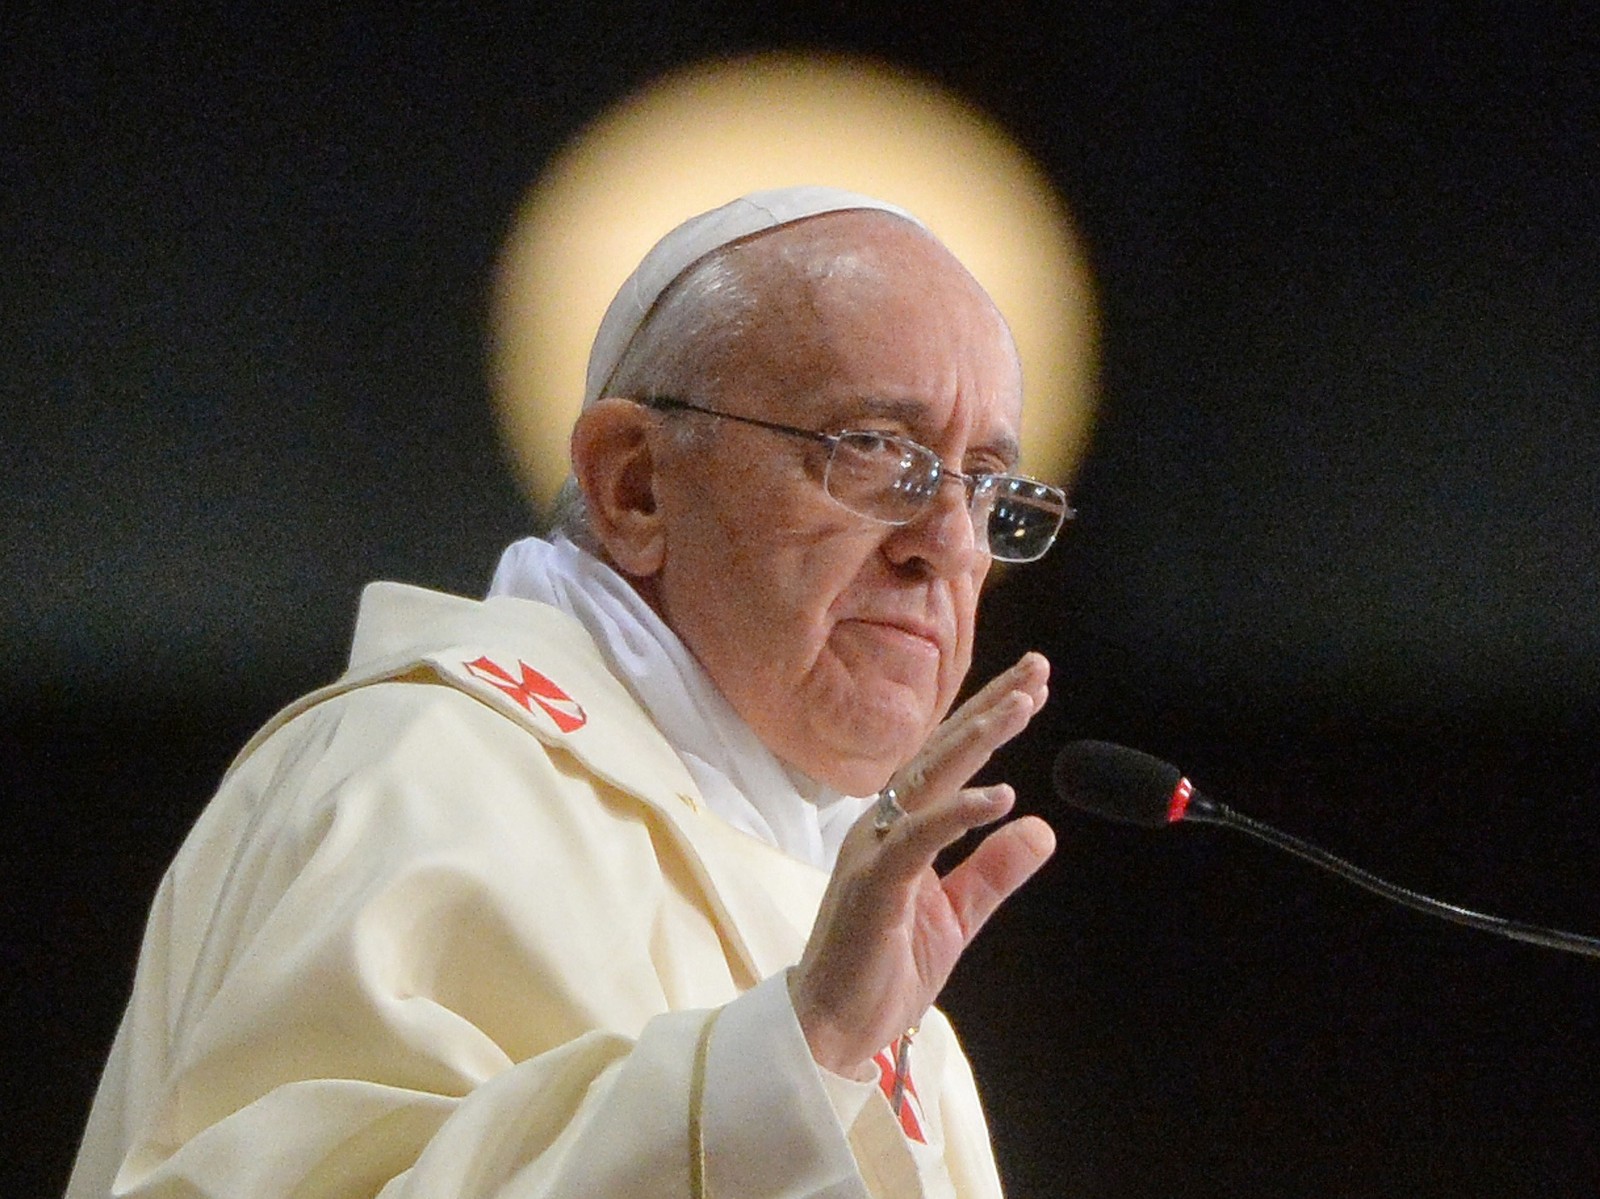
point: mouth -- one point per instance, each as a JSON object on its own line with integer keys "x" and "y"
{"x": 904, "y": 636}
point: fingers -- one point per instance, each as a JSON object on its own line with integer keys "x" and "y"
{"x": 966, "y": 746}
{"x": 911, "y": 844}
{"x": 961, "y": 745}
{"x": 1007, "y": 858}
{"x": 1029, "y": 677}
{"x": 1029, "y": 673}
{"x": 932, "y": 788}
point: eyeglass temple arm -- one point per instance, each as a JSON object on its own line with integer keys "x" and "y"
{"x": 669, "y": 404}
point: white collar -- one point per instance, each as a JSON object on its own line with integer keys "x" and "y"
{"x": 739, "y": 778}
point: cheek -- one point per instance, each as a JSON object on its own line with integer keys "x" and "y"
{"x": 959, "y": 662}
{"x": 765, "y": 598}
{"x": 796, "y": 568}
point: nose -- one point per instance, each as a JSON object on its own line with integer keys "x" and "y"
{"x": 942, "y": 537}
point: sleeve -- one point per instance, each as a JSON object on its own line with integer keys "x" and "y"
{"x": 409, "y": 952}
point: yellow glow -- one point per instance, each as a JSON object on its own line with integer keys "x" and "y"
{"x": 705, "y": 135}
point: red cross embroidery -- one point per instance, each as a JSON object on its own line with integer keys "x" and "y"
{"x": 532, "y": 688}
{"x": 884, "y": 1060}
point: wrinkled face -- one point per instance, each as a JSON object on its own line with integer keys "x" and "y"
{"x": 841, "y": 641}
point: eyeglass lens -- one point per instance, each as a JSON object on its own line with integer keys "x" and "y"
{"x": 893, "y": 480}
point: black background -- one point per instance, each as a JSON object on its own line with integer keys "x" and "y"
{"x": 1336, "y": 554}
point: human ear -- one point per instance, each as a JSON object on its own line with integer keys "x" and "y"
{"x": 613, "y": 458}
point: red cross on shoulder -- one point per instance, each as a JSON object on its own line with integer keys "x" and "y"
{"x": 531, "y": 688}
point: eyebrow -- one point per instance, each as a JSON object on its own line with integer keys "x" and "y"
{"x": 912, "y": 413}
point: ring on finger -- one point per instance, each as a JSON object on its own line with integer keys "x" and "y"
{"x": 886, "y": 810}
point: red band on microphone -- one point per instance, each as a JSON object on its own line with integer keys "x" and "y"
{"x": 1179, "y": 803}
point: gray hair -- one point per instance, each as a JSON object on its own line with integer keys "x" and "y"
{"x": 689, "y": 339}
{"x": 679, "y": 351}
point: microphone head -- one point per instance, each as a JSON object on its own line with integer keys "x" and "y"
{"x": 1122, "y": 784}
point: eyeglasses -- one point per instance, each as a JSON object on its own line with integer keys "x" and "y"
{"x": 894, "y": 479}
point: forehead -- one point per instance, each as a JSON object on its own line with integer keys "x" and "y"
{"x": 993, "y": 428}
{"x": 861, "y": 316}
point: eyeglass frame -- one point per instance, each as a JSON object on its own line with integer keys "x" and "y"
{"x": 969, "y": 483}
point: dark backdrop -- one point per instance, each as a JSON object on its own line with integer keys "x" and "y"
{"x": 1336, "y": 554}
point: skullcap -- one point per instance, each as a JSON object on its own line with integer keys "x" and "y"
{"x": 688, "y": 244}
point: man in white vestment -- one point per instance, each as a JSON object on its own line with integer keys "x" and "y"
{"x": 621, "y": 881}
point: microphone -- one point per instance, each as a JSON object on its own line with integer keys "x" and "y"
{"x": 1123, "y": 784}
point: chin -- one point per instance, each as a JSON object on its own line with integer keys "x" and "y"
{"x": 851, "y": 727}
{"x": 859, "y": 756}
{"x": 855, "y": 777}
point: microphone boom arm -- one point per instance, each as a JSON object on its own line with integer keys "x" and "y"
{"x": 1207, "y": 811}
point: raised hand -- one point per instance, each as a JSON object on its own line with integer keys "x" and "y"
{"x": 890, "y": 930}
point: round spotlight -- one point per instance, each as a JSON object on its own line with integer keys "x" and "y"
{"x": 704, "y": 135}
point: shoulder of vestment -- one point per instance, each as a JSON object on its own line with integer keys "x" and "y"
{"x": 526, "y": 662}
